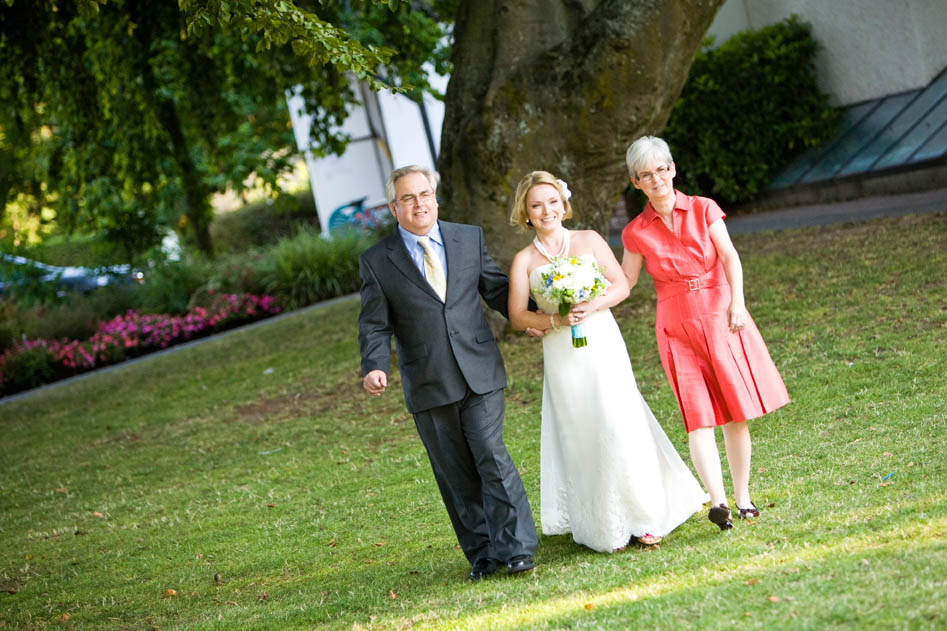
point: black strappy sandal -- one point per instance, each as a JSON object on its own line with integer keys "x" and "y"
{"x": 720, "y": 515}
{"x": 749, "y": 512}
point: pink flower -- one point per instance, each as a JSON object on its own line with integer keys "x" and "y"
{"x": 142, "y": 332}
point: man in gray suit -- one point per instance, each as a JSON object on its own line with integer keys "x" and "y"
{"x": 423, "y": 284}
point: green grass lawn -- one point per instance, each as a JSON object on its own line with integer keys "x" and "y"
{"x": 248, "y": 483}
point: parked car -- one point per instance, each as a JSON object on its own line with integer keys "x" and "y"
{"x": 17, "y": 270}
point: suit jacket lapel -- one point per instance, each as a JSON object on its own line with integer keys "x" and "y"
{"x": 399, "y": 257}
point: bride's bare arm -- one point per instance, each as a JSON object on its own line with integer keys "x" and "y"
{"x": 618, "y": 288}
{"x": 521, "y": 318}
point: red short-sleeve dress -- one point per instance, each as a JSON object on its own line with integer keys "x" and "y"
{"x": 717, "y": 376}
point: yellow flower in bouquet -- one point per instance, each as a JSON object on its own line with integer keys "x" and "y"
{"x": 571, "y": 280}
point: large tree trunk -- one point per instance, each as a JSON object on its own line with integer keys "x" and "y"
{"x": 196, "y": 195}
{"x": 563, "y": 86}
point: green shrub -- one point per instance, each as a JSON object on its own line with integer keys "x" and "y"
{"x": 747, "y": 109}
{"x": 73, "y": 318}
{"x": 77, "y": 316}
{"x": 9, "y": 334}
{"x": 169, "y": 285}
{"x": 239, "y": 273}
{"x": 112, "y": 300}
{"x": 27, "y": 369}
{"x": 11, "y": 324}
{"x": 308, "y": 268}
{"x": 262, "y": 223}
{"x": 298, "y": 270}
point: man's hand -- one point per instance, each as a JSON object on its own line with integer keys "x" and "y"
{"x": 375, "y": 382}
{"x": 534, "y": 332}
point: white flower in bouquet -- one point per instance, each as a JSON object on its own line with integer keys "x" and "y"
{"x": 571, "y": 280}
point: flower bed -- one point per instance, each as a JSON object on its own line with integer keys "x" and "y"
{"x": 35, "y": 362}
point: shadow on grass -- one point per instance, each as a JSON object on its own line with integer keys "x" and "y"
{"x": 755, "y": 598}
{"x": 755, "y": 591}
{"x": 751, "y": 577}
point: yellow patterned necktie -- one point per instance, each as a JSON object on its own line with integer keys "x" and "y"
{"x": 433, "y": 269}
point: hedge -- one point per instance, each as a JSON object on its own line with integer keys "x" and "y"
{"x": 747, "y": 109}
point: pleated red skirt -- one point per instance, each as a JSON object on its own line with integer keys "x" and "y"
{"x": 717, "y": 376}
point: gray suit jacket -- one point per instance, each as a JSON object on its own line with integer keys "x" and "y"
{"x": 442, "y": 347}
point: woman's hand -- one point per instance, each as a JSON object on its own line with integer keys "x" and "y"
{"x": 736, "y": 314}
{"x": 580, "y": 312}
{"x": 736, "y": 317}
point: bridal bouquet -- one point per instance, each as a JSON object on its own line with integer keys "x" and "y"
{"x": 571, "y": 280}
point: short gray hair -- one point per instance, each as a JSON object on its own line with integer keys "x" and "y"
{"x": 399, "y": 173}
{"x": 644, "y": 150}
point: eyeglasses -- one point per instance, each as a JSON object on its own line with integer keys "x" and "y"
{"x": 410, "y": 200}
{"x": 648, "y": 176}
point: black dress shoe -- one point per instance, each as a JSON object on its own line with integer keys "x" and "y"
{"x": 519, "y": 564}
{"x": 483, "y": 568}
{"x": 720, "y": 515}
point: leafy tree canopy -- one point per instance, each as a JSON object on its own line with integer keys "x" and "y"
{"x": 124, "y": 116}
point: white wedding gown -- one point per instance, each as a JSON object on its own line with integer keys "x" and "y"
{"x": 607, "y": 470}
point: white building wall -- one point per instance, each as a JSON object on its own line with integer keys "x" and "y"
{"x": 404, "y": 125}
{"x": 359, "y": 172}
{"x": 387, "y": 131}
{"x": 404, "y": 128}
{"x": 870, "y": 48}
{"x": 731, "y": 19}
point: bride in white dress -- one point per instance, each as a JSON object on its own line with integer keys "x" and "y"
{"x": 608, "y": 472}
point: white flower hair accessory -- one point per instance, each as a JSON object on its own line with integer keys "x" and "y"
{"x": 566, "y": 193}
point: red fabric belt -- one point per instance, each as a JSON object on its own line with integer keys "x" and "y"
{"x": 668, "y": 289}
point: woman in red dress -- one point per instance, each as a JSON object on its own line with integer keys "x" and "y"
{"x": 713, "y": 354}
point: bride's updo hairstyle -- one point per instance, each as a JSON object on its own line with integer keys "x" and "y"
{"x": 519, "y": 216}
{"x": 644, "y": 150}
